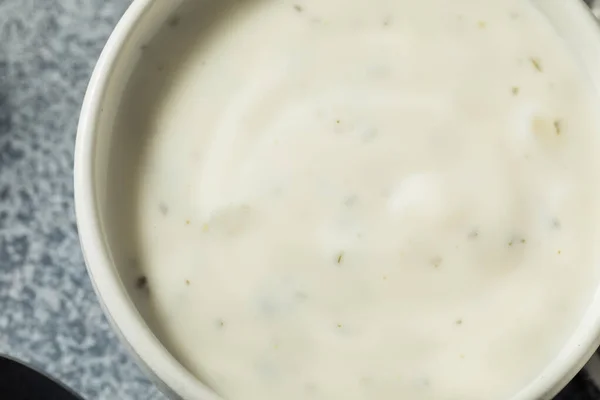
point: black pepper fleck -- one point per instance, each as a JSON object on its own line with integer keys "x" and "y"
{"x": 174, "y": 21}
{"x": 141, "y": 282}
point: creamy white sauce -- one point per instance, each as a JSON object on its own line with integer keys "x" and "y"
{"x": 367, "y": 199}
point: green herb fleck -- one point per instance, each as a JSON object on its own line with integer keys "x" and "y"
{"x": 163, "y": 208}
{"x": 556, "y": 223}
{"x": 174, "y": 21}
{"x": 298, "y": 8}
{"x": 482, "y": 24}
{"x": 350, "y": 200}
{"x": 459, "y": 322}
{"x": 515, "y": 90}
{"x": 340, "y": 257}
{"x": 366, "y": 381}
{"x": 537, "y": 64}
{"x": 339, "y": 325}
{"x": 310, "y": 388}
{"x": 557, "y": 127}
{"x": 301, "y": 296}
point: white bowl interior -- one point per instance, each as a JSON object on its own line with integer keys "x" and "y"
{"x": 102, "y": 197}
{"x": 107, "y": 150}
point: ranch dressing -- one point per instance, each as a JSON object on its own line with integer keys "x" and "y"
{"x": 363, "y": 199}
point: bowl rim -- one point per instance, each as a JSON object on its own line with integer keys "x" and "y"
{"x": 171, "y": 377}
{"x": 150, "y": 354}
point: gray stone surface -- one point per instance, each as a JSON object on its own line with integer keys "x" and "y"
{"x": 48, "y": 312}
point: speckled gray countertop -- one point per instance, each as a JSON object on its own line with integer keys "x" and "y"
{"x": 48, "y": 312}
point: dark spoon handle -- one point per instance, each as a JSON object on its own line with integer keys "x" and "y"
{"x": 21, "y": 382}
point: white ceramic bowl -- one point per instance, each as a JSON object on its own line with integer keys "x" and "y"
{"x": 92, "y": 154}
